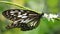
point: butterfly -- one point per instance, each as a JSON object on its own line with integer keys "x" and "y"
{"x": 24, "y": 19}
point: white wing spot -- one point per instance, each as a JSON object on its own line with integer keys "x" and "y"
{"x": 15, "y": 22}
{"x": 35, "y": 23}
{"x": 22, "y": 21}
{"x": 24, "y": 17}
{"x": 7, "y": 13}
{"x": 25, "y": 14}
{"x": 12, "y": 12}
{"x": 21, "y": 10}
{"x": 19, "y": 15}
{"x": 14, "y": 15}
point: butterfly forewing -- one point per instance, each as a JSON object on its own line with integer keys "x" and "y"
{"x": 16, "y": 14}
{"x": 24, "y": 19}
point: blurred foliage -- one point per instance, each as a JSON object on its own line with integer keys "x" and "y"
{"x": 45, "y": 26}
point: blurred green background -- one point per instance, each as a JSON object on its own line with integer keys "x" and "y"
{"x": 45, "y": 26}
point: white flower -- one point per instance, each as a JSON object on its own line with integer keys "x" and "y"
{"x": 50, "y": 16}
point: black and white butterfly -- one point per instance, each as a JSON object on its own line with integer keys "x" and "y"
{"x": 24, "y": 19}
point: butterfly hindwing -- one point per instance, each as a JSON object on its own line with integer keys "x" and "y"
{"x": 24, "y": 19}
{"x": 28, "y": 25}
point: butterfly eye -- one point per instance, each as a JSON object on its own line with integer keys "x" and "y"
{"x": 24, "y": 19}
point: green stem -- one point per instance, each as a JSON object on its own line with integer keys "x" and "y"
{"x": 11, "y": 3}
